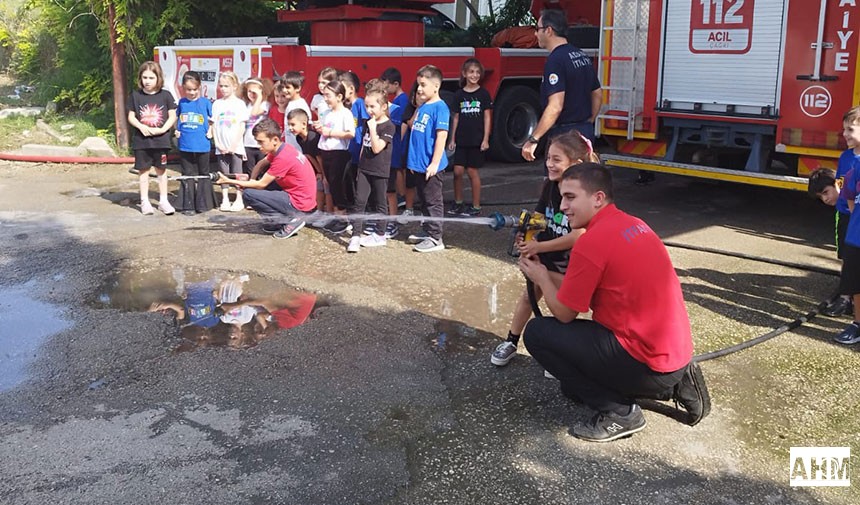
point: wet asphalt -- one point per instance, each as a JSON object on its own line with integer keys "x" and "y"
{"x": 386, "y": 394}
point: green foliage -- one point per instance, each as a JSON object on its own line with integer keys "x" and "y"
{"x": 512, "y": 13}
{"x": 236, "y": 19}
{"x": 6, "y": 45}
{"x": 448, "y": 38}
{"x": 25, "y": 47}
{"x": 63, "y": 46}
{"x": 90, "y": 93}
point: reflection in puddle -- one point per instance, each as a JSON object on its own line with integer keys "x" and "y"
{"x": 24, "y": 324}
{"x": 210, "y": 309}
{"x": 486, "y": 308}
{"x": 451, "y": 336}
{"x": 83, "y": 193}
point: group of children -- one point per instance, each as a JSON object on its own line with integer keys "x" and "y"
{"x": 365, "y": 151}
{"x": 842, "y": 190}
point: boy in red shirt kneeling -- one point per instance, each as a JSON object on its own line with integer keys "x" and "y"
{"x": 638, "y": 343}
{"x": 287, "y": 190}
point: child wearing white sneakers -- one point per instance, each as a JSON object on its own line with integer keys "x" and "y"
{"x": 374, "y": 165}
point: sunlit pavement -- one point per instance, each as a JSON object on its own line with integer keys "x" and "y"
{"x": 385, "y": 394}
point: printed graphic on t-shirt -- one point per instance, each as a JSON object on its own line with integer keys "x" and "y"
{"x": 252, "y": 122}
{"x": 227, "y": 119}
{"x": 198, "y": 311}
{"x": 557, "y": 222}
{"x": 420, "y": 124}
{"x": 634, "y": 231}
{"x": 151, "y": 115}
{"x": 192, "y": 120}
{"x": 470, "y": 107}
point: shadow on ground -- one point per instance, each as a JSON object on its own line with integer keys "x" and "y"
{"x": 356, "y": 406}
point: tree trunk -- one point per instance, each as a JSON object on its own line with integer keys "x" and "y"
{"x": 118, "y": 60}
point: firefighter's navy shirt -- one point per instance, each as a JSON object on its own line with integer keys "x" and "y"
{"x": 568, "y": 69}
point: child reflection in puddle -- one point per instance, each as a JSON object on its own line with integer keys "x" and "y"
{"x": 216, "y": 313}
{"x": 202, "y": 308}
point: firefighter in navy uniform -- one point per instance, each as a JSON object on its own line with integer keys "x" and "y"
{"x": 570, "y": 92}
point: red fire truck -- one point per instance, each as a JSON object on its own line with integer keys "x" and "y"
{"x": 749, "y": 91}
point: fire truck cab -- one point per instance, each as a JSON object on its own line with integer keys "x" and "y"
{"x": 748, "y": 91}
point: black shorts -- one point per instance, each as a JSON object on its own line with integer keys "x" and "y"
{"x": 392, "y": 179}
{"x": 551, "y": 264}
{"x": 849, "y": 281}
{"x": 144, "y": 159}
{"x": 252, "y": 156}
{"x": 841, "y": 230}
{"x": 469, "y": 157}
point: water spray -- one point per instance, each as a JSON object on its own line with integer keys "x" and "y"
{"x": 528, "y": 224}
{"x": 323, "y": 219}
{"x": 213, "y": 176}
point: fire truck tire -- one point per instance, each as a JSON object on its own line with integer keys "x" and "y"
{"x": 516, "y": 113}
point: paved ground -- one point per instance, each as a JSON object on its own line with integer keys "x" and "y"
{"x": 386, "y": 396}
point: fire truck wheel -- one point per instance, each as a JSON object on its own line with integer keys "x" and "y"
{"x": 516, "y": 113}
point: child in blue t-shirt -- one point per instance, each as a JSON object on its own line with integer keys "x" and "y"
{"x": 825, "y": 185}
{"x": 391, "y": 80}
{"x": 426, "y": 156}
{"x": 849, "y": 281}
{"x": 193, "y": 131}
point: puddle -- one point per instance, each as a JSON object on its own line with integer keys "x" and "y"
{"x": 468, "y": 318}
{"x": 83, "y": 193}
{"x": 474, "y": 309}
{"x": 209, "y": 308}
{"x": 25, "y": 323}
{"x": 452, "y": 336}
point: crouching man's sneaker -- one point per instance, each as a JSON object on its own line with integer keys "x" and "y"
{"x": 290, "y": 229}
{"x": 850, "y": 335}
{"x": 692, "y": 394}
{"x": 609, "y": 426}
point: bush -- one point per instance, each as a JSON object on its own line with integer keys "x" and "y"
{"x": 512, "y": 13}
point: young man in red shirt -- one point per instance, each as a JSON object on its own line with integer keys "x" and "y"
{"x": 286, "y": 190}
{"x": 638, "y": 343}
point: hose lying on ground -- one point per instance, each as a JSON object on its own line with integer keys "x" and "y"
{"x": 796, "y": 323}
{"x": 776, "y": 331}
{"x": 84, "y": 160}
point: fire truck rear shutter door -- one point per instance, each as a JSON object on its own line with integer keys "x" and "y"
{"x": 722, "y": 56}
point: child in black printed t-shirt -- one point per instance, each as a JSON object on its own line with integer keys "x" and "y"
{"x": 374, "y": 166}
{"x": 470, "y": 133}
